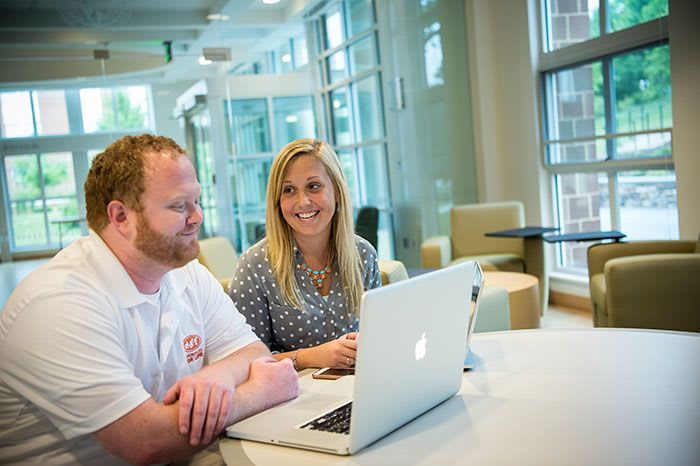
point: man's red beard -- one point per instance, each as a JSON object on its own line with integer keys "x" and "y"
{"x": 170, "y": 251}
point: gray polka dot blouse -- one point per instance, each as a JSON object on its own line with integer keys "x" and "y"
{"x": 257, "y": 296}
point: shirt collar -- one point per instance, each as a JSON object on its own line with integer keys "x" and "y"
{"x": 122, "y": 287}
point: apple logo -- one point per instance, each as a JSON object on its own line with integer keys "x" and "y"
{"x": 421, "y": 347}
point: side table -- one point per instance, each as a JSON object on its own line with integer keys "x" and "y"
{"x": 535, "y": 255}
{"x": 523, "y": 297}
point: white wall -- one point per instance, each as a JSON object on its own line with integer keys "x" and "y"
{"x": 503, "y": 85}
{"x": 685, "y": 78}
{"x": 164, "y": 100}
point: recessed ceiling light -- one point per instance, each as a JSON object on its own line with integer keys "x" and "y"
{"x": 270, "y": 2}
{"x": 218, "y": 17}
{"x": 204, "y": 61}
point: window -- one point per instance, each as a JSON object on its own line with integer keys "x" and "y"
{"x": 33, "y": 113}
{"x": 252, "y": 124}
{"x": 350, "y": 75}
{"x": 41, "y": 177}
{"x": 608, "y": 120}
{"x": 42, "y": 194}
{"x": 107, "y": 109}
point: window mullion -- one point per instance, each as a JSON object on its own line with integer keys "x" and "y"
{"x": 609, "y": 99}
{"x": 614, "y": 194}
{"x": 43, "y": 198}
{"x": 604, "y": 23}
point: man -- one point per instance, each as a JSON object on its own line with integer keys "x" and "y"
{"x": 123, "y": 347}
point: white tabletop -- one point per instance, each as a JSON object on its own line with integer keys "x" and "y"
{"x": 604, "y": 396}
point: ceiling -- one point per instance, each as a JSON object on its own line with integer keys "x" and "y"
{"x": 42, "y": 40}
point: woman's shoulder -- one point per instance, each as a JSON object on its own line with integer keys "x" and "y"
{"x": 256, "y": 252}
{"x": 364, "y": 247}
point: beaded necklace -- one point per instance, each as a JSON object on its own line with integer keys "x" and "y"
{"x": 316, "y": 276}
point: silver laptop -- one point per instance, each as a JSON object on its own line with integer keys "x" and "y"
{"x": 477, "y": 287}
{"x": 410, "y": 358}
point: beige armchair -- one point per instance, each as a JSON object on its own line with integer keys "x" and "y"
{"x": 467, "y": 241}
{"x": 219, "y": 256}
{"x": 646, "y": 284}
{"x": 392, "y": 271}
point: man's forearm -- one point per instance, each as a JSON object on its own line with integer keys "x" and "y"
{"x": 148, "y": 434}
{"x": 239, "y": 362}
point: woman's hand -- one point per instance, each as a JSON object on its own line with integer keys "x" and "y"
{"x": 336, "y": 353}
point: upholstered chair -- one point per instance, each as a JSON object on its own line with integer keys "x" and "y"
{"x": 646, "y": 284}
{"x": 219, "y": 256}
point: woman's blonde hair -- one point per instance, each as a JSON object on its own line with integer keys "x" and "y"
{"x": 280, "y": 246}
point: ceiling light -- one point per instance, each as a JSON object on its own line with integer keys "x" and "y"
{"x": 270, "y": 2}
{"x": 204, "y": 61}
{"x": 218, "y": 17}
{"x": 287, "y": 58}
{"x": 291, "y": 118}
{"x": 336, "y": 103}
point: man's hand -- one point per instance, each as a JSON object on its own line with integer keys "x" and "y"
{"x": 336, "y": 353}
{"x": 272, "y": 381}
{"x": 206, "y": 402}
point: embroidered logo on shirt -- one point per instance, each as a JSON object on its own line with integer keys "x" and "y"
{"x": 192, "y": 345}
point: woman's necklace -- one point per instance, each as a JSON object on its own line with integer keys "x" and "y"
{"x": 316, "y": 276}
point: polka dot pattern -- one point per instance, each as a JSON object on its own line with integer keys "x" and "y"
{"x": 281, "y": 327}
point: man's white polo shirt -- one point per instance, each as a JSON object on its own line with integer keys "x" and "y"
{"x": 80, "y": 347}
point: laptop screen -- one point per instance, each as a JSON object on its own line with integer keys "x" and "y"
{"x": 477, "y": 286}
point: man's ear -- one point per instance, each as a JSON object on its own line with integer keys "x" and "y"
{"x": 118, "y": 215}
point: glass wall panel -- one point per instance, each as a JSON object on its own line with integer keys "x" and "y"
{"x": 627, "y": 13}
{"x": 648, "y": 208}
{"x": 340, "y": 113}
{"x": 373, "y": 165}
{"x": 107, "y": 109}
{"x": 360, "y": 16}
{"x": 28, "y": 223}
{"x": 337, "y": 67}
{"x": 432, "y": 55}
{"x": 50, "y": 112}
{"x": 16, "y": 114}
{"x": 334, "y": 28}
{"x": 96, "y": 108}
{"x": 250, "y": 128}
{"x": 570, "y": 22}
{"x": 347, "y": 161}
{"x": 293, "y": 119}
{"x": 642, "y": 86}
{"x": 22, "y": 172}
{"x": 130, "y": 108}
{"x": 578, "y": 108}
{"x": 59, "y": 178}
{"x": 583, "y": 204}
{"x": 284, "y": 58}
{"x": 363, "y": 56}
{"x": 301, "y": 53}
{"x": 368, "y": 108}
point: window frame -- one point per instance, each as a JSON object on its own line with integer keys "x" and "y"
{"x": 604, "y": 49}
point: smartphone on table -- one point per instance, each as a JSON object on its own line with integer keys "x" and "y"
{"x": 333, "y": 373}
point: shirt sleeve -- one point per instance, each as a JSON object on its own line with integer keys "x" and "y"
{"x": 248, "y": 294}
{"x": 370, "y": 264}
{"x": 65, "y": 354}
{"x": 226, "y": 329}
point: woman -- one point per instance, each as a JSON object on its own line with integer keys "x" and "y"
{"x": 300, "y": 286}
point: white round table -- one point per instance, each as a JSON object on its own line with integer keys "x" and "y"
{"x": 546, "y": 397}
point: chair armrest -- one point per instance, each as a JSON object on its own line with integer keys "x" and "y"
{"x": 226, "y": 283}
{"x": 654, "y": 291}
{"x": 599, "y": 254}
{"x": 391, "y": 271}
{"x": 436, "y": 252}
